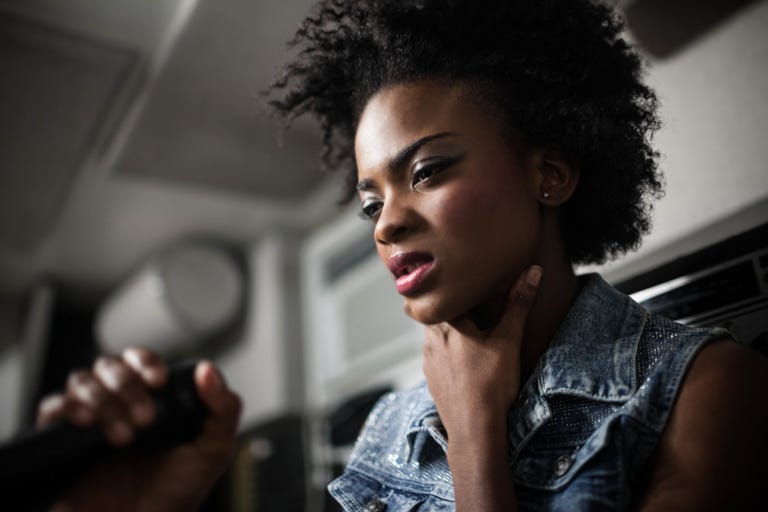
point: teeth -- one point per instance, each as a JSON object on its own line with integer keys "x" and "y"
{"x": 410, "y": 267}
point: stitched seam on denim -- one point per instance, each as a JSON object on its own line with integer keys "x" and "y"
{"x": 337, "y": 489}
{"x": 526, "y": 438}
{"x": 680, "y": 365}
{"x": 559, "y": 482}
{"x": 675, "y": 368}
{"x": 437, "y": 489}
{"x": 600, "y": 301}
{"x": 580, "y": 394}
{"x": 635, "y": 347}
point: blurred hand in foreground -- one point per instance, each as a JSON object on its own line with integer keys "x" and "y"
{"x": 115, "y": 395}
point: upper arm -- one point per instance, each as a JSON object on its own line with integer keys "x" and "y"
{"x": 712, "y": 454}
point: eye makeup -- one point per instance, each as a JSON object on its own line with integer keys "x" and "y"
{"x": 399, "y": 160}
{"x": 426, "y": 169}
{"x": 370, "y": 209}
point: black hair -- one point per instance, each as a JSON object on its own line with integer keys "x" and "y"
{"x": 559, "y": 70}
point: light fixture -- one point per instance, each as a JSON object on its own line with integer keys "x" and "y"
{"x": 175, "y": 302}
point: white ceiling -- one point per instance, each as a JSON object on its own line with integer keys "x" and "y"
{"x": 180, "y": 147}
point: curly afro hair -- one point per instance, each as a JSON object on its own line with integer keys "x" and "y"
{"x": 558, "y": 71}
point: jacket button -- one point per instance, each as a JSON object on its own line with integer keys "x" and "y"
{"x": 375, "y": 506}
{"x": 562, "y": 465}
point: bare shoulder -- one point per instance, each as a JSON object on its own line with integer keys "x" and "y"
{"x": 712, "y": 453}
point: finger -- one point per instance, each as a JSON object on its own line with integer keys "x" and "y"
{"x": 148, "y": 365}
{"x": 50, "y": 410}
{"x": 128, "y": 386}
{"x": 57, "y": 407}
{"x": 519, "y": 302}
{"x": 213, "y": 390}
{"x": 84, "y": 390}
{"x": 225, "y": 407}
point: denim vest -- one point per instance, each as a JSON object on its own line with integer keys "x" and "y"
{"x": 580, "y": 433}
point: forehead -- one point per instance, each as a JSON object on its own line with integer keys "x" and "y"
{"x": 398, "y": 115}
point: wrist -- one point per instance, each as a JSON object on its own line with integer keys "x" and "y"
{"x": 477, "y": 423}
{"x": 480, "y": 469}
{"x": 483, "y": 437}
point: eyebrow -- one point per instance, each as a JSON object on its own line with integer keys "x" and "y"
{"x": 401, "y": 157}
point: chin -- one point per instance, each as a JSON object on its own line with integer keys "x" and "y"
{"x": 431, "y": 309}
{"x": 430, "y": 312}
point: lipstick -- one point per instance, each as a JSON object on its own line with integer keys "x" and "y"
{"x": 410, "y": 270}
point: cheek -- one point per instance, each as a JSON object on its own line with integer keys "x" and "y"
{"x": 482, "y": 212}
{"x": 492, "y": 230}
{"x": 457, "y": 209}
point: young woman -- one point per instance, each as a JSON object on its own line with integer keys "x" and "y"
{"x": 493, "y": 144}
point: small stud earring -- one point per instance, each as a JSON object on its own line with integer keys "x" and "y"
{"x": 546, "y": 195}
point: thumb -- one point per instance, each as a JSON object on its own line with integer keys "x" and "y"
{"x": 519, "y": 301}
{"x": 224, "y": 404}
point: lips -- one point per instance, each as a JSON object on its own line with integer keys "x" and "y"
{"x": 410, "y": 270}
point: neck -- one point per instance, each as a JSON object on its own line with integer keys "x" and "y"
{"x": 557, "y": 291}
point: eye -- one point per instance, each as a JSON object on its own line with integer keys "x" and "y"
{"x": 371, "y": 209}
{"x": 426, "y": 170}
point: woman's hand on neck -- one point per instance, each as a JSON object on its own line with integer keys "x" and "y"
{"x": 557, "y": 291}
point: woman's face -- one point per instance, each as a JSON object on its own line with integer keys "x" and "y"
{"x": 454, "y": 202}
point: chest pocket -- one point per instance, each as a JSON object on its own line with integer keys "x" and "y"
{"x": 554, "y": 467}
{"x": 594, "y": 476}
{"x": 356, "y": 492}
{"x": 573, "y": 453}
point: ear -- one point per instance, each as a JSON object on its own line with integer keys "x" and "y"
{"x": 556, "y": 177}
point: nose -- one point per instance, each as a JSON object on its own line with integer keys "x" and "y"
{"x": 395, "y": 221}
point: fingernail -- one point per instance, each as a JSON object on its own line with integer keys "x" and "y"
{"x": 534, "y": 275}
{"x": 153, "y": 376}
{"x": 216, "y": 379}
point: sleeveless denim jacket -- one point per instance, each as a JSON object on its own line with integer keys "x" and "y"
{"x": 580, "y": 432}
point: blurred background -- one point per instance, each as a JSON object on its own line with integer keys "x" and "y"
{"x": 147, "y": 198}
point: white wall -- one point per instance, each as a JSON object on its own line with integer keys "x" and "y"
{"x": 10, "y": 389}
{"x": 355, "y": 332}
{"x": 714, "y": 105}
{"x": 24, "y": 324}
{"x": 262, "y": 366}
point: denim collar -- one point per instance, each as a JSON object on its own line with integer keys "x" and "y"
{"x": 592, "y": 355}
{"x": 593, "y": 352}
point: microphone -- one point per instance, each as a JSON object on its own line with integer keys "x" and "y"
{"x": 38, "y": 466}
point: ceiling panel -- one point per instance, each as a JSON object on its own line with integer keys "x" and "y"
{"x": 55, "y": 92}
{"x": 204, "y": 123}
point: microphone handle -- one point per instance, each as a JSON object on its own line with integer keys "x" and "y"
{"x": 37, "y": 467}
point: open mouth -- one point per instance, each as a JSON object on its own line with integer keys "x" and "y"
{"x": 405, "y": 263}
{"x": 410, "y": 270}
